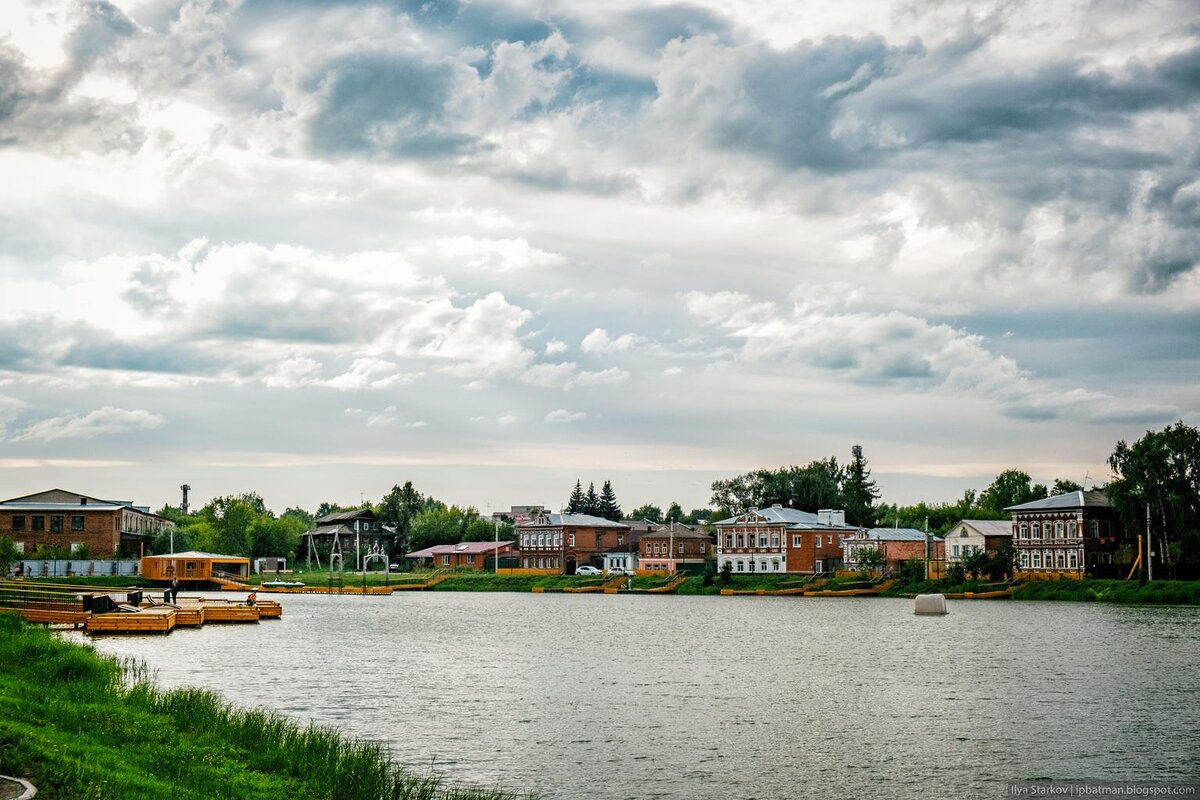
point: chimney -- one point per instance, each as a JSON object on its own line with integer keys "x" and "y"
{"x": 776, "y": 505}
{"x": 828, "y": 516}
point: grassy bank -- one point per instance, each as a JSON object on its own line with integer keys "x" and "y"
{"x": 81, "y": 726}
{"x": 119, "y": 582}
{"x": 1112, "y": 591}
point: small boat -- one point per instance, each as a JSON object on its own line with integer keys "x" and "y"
{"x": 282, "y": 584}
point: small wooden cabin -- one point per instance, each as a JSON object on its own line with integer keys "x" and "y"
{"x": 195, "y": 566}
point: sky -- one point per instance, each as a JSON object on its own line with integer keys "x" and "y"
{"x": 316, "y": 249}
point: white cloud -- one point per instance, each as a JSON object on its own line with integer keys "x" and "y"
{"x": 554, "y": 347}
{"x": 107, "y": 421}
{"x": 599, "y": 342}
{"x": 561, "y": 415}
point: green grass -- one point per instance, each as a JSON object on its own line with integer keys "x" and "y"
{"x": 119, "y": 582}
{"x": 81, "y": 726}
{"x": 1113, "y": 591}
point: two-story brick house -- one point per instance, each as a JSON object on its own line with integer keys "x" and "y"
{"x": 567, "y": 541}
{"x": 76, "y": 522}
{"x": 1067, "y": 535}
{"x": 464, "y": 555}
{"x": 674, "y": 548}
{"x": 779, "y": 539}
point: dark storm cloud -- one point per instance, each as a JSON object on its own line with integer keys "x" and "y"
{"x": 393, "y": 103}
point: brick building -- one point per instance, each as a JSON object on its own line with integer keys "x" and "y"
{"x": 77, "y": 522}
{"x": 464, "y": 555}
{"x": 897, "y": 546}
{"x": 779, "y": 539}
{"x": 674, "y": 548}
{"x": 1066, "y": 535}
{"x": 567, "y": 541}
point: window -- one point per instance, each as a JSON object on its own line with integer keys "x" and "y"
{"x": 739, "y": 566}
{"x": 445, "y": 558}
{"x": 741, "y": 541}
{"x": 762, "y": 540}
{"x": 1074, "y": 531}
{"x": 18, "y": 522}
{"x": 795, "y": 541}
{"x": 571, "y": 539}
{"x": 1037, "y": 559}
{"x": 729, "y": 540}
{"x": 1024, "y": 559}
{"x": 77, "y": 522}
{"x": 752, "y": 565}
{"x": 774, "y": 540}
{"x": 763, "y": 563}
{"x": 1061, "y": 560}
{"x": 956, "y": 551}
{"x": 1094, "y": 528}
{"x": 1073, "y": 559}
{"x": 829, "y": 539}
{"x": 526, "y": 565}
{"x": 37, "y": 522}
{"x": 775, "y": 565}
{"x": 1023, "y": 531}
{"x": 1058, "y": 530}
{"x": 1037, "y": 531}
{"x": 620, "y": 540}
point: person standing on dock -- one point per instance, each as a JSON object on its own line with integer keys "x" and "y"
{"x": 174, "y": 590}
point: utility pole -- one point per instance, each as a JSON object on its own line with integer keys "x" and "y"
{"x": 1149, "y": 548}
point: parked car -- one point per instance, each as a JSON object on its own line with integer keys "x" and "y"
{"x": 587, "y": 570}
{"x": 615, "y": 571}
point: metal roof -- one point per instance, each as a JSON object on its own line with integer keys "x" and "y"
{"x": 1065, "y": 501}
{"x": 15, "y": 506}
{"x": 986, "y": 527}
{"x": 358, "y": 513}
{"x": 578, "y": 520}
{"x": 473, "y": 548}
{"x": 199, "y": 555}
{"x": 899, "y": 535}
{"x": 792, "y": 517}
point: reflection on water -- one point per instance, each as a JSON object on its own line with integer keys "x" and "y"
{"x": 706, "y": 697}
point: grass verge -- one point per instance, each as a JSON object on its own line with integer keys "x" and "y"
{"x": 86, "y": 727}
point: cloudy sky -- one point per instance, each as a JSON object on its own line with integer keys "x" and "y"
{"x": 317, "y": 248}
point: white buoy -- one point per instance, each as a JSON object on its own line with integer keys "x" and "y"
{"x": 930, "y": 604}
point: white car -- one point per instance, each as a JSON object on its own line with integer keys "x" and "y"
{"x": 587, "y": 570}
{"x": 615, "y": 571}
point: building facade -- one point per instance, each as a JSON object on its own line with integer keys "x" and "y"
{"x": 567, "y": 541}
{"x": 351, "y": 536}
{"x": 976, "y": 536}
{"x": 779, "y": 539}
{"x": 896, "y": 546}
{"x": 1066, "y": 535}
{"x": 78, "y": 523}
{"x": 675, "y": 548}
{"x": 465, "y": 555}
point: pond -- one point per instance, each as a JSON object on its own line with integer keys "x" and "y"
{"x": 606, "y": 696}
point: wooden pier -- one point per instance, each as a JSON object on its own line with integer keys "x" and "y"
{"x": 78, "y": 607}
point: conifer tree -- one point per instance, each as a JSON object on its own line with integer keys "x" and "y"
{"x": 609, "y": 508}
{"x": 576, "y": 502}
{"x": 859, "y": 492}
{"x": 591, "y": 503}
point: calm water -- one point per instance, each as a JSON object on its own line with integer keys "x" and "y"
{"x": 696, "y": 697}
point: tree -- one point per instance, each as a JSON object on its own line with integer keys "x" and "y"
{"x": 816, "y": 486}
{"x": 727, "y": 572}
{"x": 870, "y": 558}
{"x": 975, "y": 561}
{"x": 591, "y": 501}
{"x": 648, "y": 512}
{"x": 1064, "y": 486}
{"x": 398, "y": 508}
{"x": 8, "y": 555}
{"x": 674, "y": 513}
{"x": 575, "y": 504}
{"x": 1011, "y": 488}
{"x": 609, "y": 508}
{"x": 1004, "y": 561}
{"x": 1161, "y": 472}
{"x": 859, "y": 492}
{"x": 326, "y": 508}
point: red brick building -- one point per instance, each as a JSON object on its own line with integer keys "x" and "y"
{"x": 464, "y": 555}
{"x": 674, "y": 548}
{"x": 779, "y": 539}
{"x": 74, "y": 522}
{"x": 897, "y": 546}
{"x": 567, "y": 541}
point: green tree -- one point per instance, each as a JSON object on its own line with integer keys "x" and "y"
{"x": 8, "y": 555}
{"x": 591, "y": 501}
{"x": 1161, "y": 472}
{"x": 1064, "y": 486}
{"x": 1004, "y": 561}
{"x": 576, "y": 503}
{"x": 1011, "y": 488}
{"x": 727, "y": 572}
{"x": 649, "y": 512}
{"x": 398, "y": 509}
{"x": 870, "y": 559}
{"x": 818, "y": 485}
{"x": 674, "y": 513}
{"x": 326, "y": 508}
{"x": 975, "y": 562}
{"x": 859, "y": 492}
{"x": 609, "y": 508}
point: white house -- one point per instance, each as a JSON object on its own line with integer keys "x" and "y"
{"x": 972, "y": 535}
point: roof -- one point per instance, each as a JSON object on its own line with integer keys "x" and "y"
{"x": 899, "y": 535}
{"x": 577, "y": 520}
{"x": 1062, "y": 501}
{"x": 471, "y": 548}
{"x": 985, "y": 527}
{"x": 358, "y": 513}
{"x": 792, "y": 517}
{"x": 198, "y": 555}
{"x": 680, "y": 532}
{"x": 10, "y": 505}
